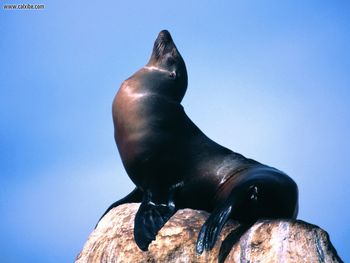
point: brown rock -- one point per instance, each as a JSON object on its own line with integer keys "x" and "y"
{"x": 266, "y": 241}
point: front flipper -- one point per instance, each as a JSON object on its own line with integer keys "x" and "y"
{"x": 150, "y": 218}
{"x": 134, "y": 197}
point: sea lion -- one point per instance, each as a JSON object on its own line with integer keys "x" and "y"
{"x": 175, "y": 165}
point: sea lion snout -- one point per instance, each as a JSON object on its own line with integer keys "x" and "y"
{"x": 164, "y": 36}
{"x": 164, "y": 46}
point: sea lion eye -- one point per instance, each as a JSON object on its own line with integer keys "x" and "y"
{"x": 172, "y": 75}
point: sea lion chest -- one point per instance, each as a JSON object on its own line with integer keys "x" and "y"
{"x": 145, "y": 122}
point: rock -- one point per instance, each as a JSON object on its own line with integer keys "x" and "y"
{"x": 266, "y": 241}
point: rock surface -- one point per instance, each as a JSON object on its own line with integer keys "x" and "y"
{"x": 266, "y": 241}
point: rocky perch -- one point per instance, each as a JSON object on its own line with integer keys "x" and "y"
{"x": 266, "y": 241}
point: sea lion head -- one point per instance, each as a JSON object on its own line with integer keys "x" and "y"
{"x": 167, "y": 62}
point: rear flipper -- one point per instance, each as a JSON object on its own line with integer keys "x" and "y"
{"x": 134, "y": 197}
{"x": 231, "y": 239}
{"x": 212, "y": 227}
{"x": 150, "y": 218}
{"x": 265, "y": 193}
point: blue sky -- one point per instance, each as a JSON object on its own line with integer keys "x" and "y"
{"x": 267, "y": 79}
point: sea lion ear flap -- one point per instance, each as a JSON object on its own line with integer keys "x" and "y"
{"x": 149, "y": 219}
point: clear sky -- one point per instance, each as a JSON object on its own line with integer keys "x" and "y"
{"x": 268, "y": 79}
